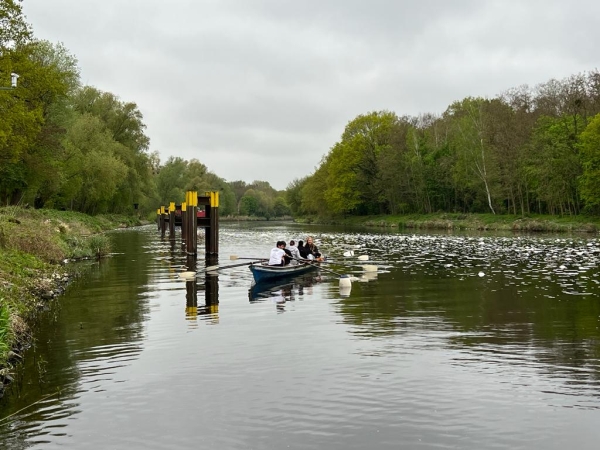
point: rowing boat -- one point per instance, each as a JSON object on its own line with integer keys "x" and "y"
{"x": 263, "y": 272}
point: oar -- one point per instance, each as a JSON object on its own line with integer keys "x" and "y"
{"x": 234, "y": 257}
{"x": 345, "y": 280}
{"x": 215, "y": 268}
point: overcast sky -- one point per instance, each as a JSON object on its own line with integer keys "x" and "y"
{"x": 261, "y": 90}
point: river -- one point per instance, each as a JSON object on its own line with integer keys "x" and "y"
{"x": 448, "y": 340}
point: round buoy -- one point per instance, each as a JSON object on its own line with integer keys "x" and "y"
{"x": 363, "y": 258}
{"x": 345, "y": 282}
{"x": 481, "y": 274}
{"x": 187, "y": 275}
{"x": 345, "y": 291}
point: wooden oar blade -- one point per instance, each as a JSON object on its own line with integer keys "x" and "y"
{"x": 234, "y": 257}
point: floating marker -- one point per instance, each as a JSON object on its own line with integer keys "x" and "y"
{"x": 345, "y": 282}
{"x": 363, "y": 258}
{"x": 186, "y": 275}
{"x": 345, "y": 291}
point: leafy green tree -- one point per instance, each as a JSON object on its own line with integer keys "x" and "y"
{"x": 293, "y": 195}
{"x": 171, "y": 181}
{"x": 313, "y": 191}
{"x": 14, "y": 30}
{"x": 249, "y": 204}
{"x": 475, "y": 167}
{"x": 280, "y": 207}
{"x": 29, "y": 125}
{"x": 554, "y": 166}
{"x": 93, "y": 171}
{"x": 589, "y": 181}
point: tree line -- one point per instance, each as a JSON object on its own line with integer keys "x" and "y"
{"x": 526, "y": 151}
{"x": 65, "y": 145}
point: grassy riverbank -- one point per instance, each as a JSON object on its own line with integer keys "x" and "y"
{"x": 35, "y": 246}
{"x": 445, "y": 221}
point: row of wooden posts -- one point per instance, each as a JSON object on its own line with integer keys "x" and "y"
{"x": 197, "y": 211}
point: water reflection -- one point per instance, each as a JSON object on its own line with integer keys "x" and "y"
{"x": 422, "y": 353}
{"x": 282, "y": 291}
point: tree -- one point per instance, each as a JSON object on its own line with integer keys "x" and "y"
{"x": 589, "y": 181}
{"x": 93, "y": 173}
{"x": 171, "y": 181}
{"x": 249, "y": 204}
{"x": 293, "y": 195}
{"x": 475, "y": 159}
{"x": 30, "y": 119}
{"x": 554, "y": 166}
{"x": 14, "y": 31}
{"x": 280, "y": 208}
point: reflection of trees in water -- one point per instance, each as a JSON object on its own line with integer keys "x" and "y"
{"x": 96, "y": 326}
{"x": 495, "y": 321}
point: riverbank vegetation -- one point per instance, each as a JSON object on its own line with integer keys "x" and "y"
{"x": 473, "y": 222}
{"x": 526, "y": 151}
{"x": 35, "y": 249}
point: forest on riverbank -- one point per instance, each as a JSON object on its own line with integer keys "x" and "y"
{"x": 526, "y": 151}
{"x": 64, "y": 145}
{"x": 68, "y": 146}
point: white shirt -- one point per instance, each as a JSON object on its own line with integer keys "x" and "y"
{"x": 276, "y": 256}
{"x": 295, "y": 252}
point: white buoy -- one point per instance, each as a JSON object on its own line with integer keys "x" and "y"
{"x": 481, "y": 274}
{"x": 369, "y": 268}
{"x": 345, "y": 282}
{"x": 345, "y": 291}
{"x": 187, "y": 275}
{"x": 368, "y": 276}
{"x": 363, "y": 258}
{"x": 349, "y": 253}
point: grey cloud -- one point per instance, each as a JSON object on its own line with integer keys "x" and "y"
{"x": 261, "y": 89}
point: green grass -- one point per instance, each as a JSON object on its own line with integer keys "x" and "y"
{"x": 33, "y": 243}
{"x": 5, "y": 330}
{"x": 459, "y": 221}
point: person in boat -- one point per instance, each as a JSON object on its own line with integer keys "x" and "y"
{"x": 295, "y": 253}
{"x": 311, "y": 250}
{"x": 287, "y": 258}
{"x": 277, "y": 257}
{"x": 301, "y": 249}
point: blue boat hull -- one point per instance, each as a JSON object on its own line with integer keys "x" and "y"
{"x": 263, "y": 272}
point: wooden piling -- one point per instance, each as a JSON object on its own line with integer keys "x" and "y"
{"x": 212, "y": 232}
{"x": 191, "y": 224}
{"x": 183, "y": 218}
{"x": 163, "y": 222}
{"x": 172, "y": 219}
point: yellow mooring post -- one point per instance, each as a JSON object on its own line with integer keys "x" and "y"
{"x": 191, "y": 300}
{"x": 212, "y": 233}
{"x": 211, "y": 295}
{"x": 172, "y": 219}
{"x": 183, "y": 217}
{"x": 191, "y": 242}
{"x": 188, "y": 212}
{"x": 163, "y": 224}
{"x": 195, "y": 223}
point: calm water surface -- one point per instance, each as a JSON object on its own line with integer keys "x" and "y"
{"x": 457, "y": 341}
